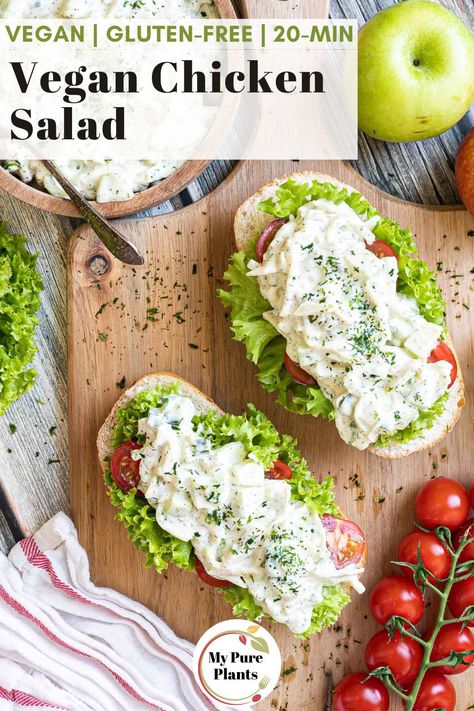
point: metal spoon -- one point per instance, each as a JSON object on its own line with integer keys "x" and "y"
{"x": 108, "y": 235}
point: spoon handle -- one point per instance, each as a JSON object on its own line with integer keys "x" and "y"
{"x": 115, "y": 242}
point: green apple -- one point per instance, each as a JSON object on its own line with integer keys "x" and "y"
{"x": 416, "y": 71}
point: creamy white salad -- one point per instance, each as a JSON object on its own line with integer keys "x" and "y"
{"x": 337, "y": 305}
{"x": 104, "y": 181}
{"x": 244, "y": 528}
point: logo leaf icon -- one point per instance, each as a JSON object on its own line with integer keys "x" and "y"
{"x": 252, "y": 628}
{"x": 260, "y": 645}
{"x": 243, "y": 639}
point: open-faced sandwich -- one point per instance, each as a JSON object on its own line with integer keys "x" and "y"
{"x": 229, "y": 498}
{"x": 341, "y": 317}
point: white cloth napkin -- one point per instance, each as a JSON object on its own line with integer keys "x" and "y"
{"x": 66, "y": 644}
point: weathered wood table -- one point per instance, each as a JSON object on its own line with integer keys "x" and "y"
{"x": 33, "y": 434}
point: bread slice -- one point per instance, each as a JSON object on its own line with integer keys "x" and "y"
{"x": 249, "y": 221}
{"x": 201, "y": 402}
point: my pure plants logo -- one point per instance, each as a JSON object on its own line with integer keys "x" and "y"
{"x": 237, "y": 662}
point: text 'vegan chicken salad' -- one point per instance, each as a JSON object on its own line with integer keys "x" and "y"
{"x": 108, "y": 180}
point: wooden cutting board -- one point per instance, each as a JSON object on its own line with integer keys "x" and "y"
{"x": 125, "y": 322}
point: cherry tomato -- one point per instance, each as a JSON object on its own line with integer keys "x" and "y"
{"x": 345, "y": 541}
{"x": 468, "y": 552}
{"x": 279, "y": 470}
{"x": 124, "y": 470}
{"x": 460, "y": 597}
{"x": 443, "y": 352}
{"x": 381, "y": 249}
{"x": 298, "y": 374}
{"x": 452, "y": 637}
{"x": 267, "y": 237}
{"x": 396, "y": 595}
{"x": 434, "y": 555}
{"x": 436, "y": 692}
{"x": 471, "y": 496}
{"x": 208, "y": 579}
{"x": 354, "y": 694}
{"x": 402, "y": 656}
{"x": 442, "y": 502}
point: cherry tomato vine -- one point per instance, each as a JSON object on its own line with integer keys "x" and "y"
{"x": 459, "y": 571}
{"x": 437, "y": 556}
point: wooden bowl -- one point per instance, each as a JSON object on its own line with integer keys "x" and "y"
{"x": 154, "y": 195}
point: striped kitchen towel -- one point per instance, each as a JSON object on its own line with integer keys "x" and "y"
{"x": 66, "y": 644}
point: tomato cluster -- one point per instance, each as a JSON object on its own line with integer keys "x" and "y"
{"x": 440, "y": 502}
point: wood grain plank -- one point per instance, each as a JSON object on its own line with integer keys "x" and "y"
{"x": 201, "y": 349}
{"x": 36, "y": 491}
{"x": 6, "y": 538}
{"x": 210, "y": 179}
{"x": 34, "y": 488}
{"x": 284, "y": 9}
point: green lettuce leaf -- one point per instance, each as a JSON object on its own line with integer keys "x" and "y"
{"x": 243, "y": 604}
{"x": 266, "y": 347}
{"x": 415, "y": 278}
{"x": 327, "y": 612}
{"x": 424, "y": 422}
{"x": 20, "y": 288}
{"x": 128, "y": 417}
{"x": 254, "y": 430}
{"x": 247, "y": 306}
{"x": 159, "y": 547}
{"x": 262, "y": 440}
{"x": 290, "y": 196}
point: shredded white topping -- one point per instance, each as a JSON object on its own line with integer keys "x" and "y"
{"x": 337, "y": 305}
{"x": 243, "y": 527}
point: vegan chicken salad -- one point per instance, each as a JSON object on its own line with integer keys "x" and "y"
{"x": 341, "y": 317}
{"x": 107, "y": 180}
{"x": 231, "y": 499}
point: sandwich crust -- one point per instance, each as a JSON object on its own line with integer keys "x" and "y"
{"x": 249, "y": 221}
